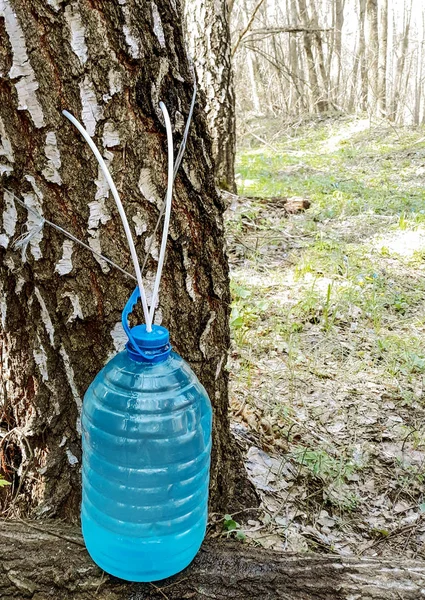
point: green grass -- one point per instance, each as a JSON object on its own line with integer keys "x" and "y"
{"x": 328, "y": 312}
{"x": 362, "y": 175}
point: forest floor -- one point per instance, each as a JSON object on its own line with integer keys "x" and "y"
{"x": 328, "y": 337}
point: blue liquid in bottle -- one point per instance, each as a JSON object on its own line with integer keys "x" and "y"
{"x": 146, "y": 455}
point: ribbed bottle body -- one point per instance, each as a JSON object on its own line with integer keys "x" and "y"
{"x": 146, "y": 457}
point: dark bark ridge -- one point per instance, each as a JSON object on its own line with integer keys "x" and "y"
{"x": 109, "y": 63}
{"x": 48, "y": 560}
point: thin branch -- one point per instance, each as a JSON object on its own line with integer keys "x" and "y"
{"x": 158, "y": 589}
{"x": 247, "y": 28}
{"x": 275, "y": 30}
{"x": 280, "y": 66}
{"x": 257, "y": 137}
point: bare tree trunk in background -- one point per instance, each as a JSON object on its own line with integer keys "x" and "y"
{"x": 207, "y": 24}
{"x": 109, "y": 63}
{"x": 317, "y": 36}
{"x": 407, "y": 76}
{"x": 418, "y": 78}
{"x": 382, "y": 64}
{"x": 401, "y": 61}
{"x": 330, "y": 41}
{"x": 373, "y": 53}
{"x": 339, "y": 23}
{"x": 305, "y": 94}
{"x": 354, "y": 83}
{"x": 316, "y": 98}
{"x": 282, "y": 81}
{"x": 295, "y": 88}
{"x": 250, "y": 56}
{"x": 359, "y": 67}
{"x": 362, "y": 56}
{"x": 418, "y": 87}
{"x": 253, "y": 81}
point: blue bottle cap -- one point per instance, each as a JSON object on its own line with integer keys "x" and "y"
{"x": 157, "y": 338}
{"x": 153, "y": 346}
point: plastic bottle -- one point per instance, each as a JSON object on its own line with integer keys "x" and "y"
{"x": 146, "y": 454}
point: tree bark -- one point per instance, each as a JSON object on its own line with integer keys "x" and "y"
{"x": 109, "y": 63}
{"x": 42, "y": 561}
{"x": 207, "y": 25}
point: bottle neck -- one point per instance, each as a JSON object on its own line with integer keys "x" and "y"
{"x": 148, "y": 346}
{"x": 148, "y": 356}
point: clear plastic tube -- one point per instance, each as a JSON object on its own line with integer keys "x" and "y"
{"x": 167, "y": 208}
{"x": 177, "y": 164}
{"x": 123, "y": 216}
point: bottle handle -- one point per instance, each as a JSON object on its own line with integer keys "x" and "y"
{"x": 128, "y": 309}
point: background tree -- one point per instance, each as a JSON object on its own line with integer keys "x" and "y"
{"x": 317, "y": 99}
{"x": 402, "y": 51}
{"x": 208, "y": 30}
{"x": 350, "y": 55}
{"x": 373, "y": 52}
{"x": 109, "y": 63}
{"x": 382, "y": 66}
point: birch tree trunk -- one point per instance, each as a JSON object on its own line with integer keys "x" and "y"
{"x": 109, "y": 63}
{"x": 207, "y": 25}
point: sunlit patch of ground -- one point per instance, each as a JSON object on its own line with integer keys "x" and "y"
{"x": 332, "y": 143}
{"x": 328, "y": 354}
{"x": 405, "y": 243}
